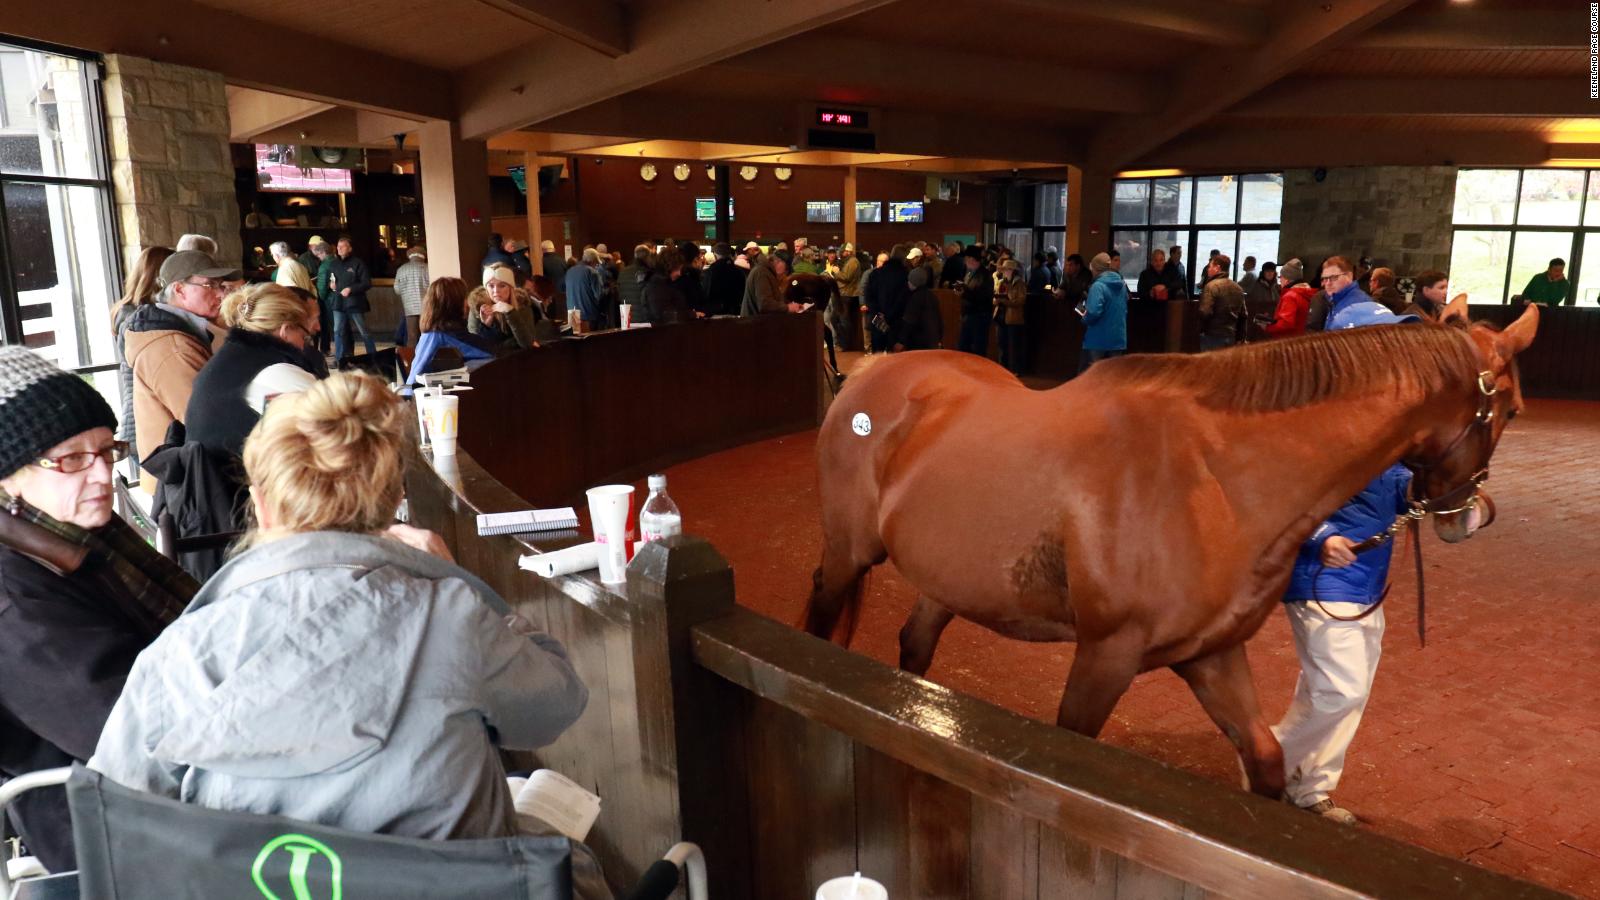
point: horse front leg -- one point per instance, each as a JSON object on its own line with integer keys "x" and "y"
{"x": 1224, "y": 687}
{"x": 920, "y": 635}
{"x": 1102, "y": 669}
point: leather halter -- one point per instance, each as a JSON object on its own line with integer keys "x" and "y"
{"x": 1456, "y": 500}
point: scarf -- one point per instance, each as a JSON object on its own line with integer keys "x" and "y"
{"x": 157, "y": 589}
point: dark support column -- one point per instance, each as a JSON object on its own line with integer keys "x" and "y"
{"x": 724, "y": 193}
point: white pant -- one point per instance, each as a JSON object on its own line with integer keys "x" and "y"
{"x": 1337, "y": 663}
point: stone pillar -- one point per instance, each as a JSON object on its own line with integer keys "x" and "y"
{"x": 849, "y": 212}
{"x": 455, "y": 199}
{"x": 530, "y": 169}
{"x": 171, "y": 168}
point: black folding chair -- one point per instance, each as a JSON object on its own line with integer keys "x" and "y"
{"x": 136, "y": 846}
{"x": 170, "y": 545}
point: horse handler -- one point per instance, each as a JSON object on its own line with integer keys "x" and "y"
{"x": 1332, "y": 603}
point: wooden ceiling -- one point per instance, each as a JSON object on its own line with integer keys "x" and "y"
{"x": 1102, "y": 84}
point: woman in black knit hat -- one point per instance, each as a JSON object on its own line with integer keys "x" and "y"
{"x": 80, "y": 592}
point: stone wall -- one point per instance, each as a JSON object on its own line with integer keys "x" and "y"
{"x": 171, "y": 172}
{"x": 1398, "y": 215}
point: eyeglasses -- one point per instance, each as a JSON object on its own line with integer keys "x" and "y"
{"x": 209, "y": 283}
{"x": 69, "y": 463}
{"x": 1334, "y": 276}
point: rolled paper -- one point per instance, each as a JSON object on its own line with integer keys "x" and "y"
{"x": 580, "y": 558}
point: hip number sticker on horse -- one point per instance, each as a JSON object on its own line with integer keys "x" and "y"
{"x": 861, "y": 424}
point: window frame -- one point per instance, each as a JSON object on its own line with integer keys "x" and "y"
{"x": 1187, "y": 222}
{"x": 11, "y": 318}
{"x": 1577, "y": 233}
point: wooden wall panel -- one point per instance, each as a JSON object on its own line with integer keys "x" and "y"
{"x": 802, "y": 793}
{"x": 913, "y": 830}
{"x": 1004, "y": 853}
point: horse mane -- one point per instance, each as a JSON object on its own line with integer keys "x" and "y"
{"x": 1289, "y": 373}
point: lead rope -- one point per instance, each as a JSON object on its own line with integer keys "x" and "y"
{"x": 1412, "y": 517}
{"x": 1422, "y": 589}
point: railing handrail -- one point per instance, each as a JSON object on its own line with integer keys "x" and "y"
{"x": 1222, "y": 839}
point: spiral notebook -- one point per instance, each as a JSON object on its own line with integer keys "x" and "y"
{"x": 528, "y": 521}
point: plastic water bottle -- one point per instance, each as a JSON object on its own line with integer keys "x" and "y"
{"x": 659, "y": 518}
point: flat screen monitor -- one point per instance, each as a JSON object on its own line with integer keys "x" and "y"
{"x": 822, "y": 211}
{"x": 869, "y": 210}
{"x": 705, "y": 209}
{"x": 519, "y": 177}
{"x": 277, "y": 169}
{"x": 904, "y": 211}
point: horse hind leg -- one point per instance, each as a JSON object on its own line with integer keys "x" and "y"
{"x": 1222, "y": 684}
{"x": 920, "y": 635}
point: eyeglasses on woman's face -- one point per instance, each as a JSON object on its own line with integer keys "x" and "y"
{"x": 72, "y": 463}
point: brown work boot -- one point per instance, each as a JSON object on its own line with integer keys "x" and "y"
{"x": 1327, "y": 810}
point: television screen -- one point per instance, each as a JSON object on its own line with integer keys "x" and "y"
{"x": 901, "y": 211}
{"x": 705, "y": 209}
{"x": 519, "y": 177}
{"x": 869, "y": 210}
{"x": 277, "y": 169}
{"x": 822, "y": 211}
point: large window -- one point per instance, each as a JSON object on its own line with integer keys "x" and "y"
{"x": 1235, "y": 214}
{"x": 1509, "y": 224}
{"x": 58, "y": 259}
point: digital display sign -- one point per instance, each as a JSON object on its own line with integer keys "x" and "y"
{"x": 905, "y": 211}
{"x": 705, "y": 209}
{"x": 823, "y": 211}
{"x": 869, "y": 211}
{"x": 841, "y": 118}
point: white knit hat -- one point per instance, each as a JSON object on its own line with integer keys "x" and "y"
{"x": 499, "y": 273}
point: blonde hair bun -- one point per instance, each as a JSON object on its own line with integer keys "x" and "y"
{"x": 331, "y": 458}
{"x": 263, "y": 308}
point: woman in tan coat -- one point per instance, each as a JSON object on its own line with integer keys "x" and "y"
{"x": 1010, "y": 302}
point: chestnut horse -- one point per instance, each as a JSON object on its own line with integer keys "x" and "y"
{"x": 1151, "y": 509}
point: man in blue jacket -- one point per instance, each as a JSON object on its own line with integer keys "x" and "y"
{"x": 1105, "y": 314}
{"x": 347, "y": 283}
{"x": 1338, "y": 634}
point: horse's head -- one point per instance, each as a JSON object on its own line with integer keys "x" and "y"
{"x": 1454, "y": 464}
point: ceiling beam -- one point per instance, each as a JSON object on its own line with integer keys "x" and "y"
{"x": 252, "y": 112}
{"x": 335, "y": 127}
{"x": 550, "y": 142}
{"x": 1422, "y": 96}
{"x": 550, "y": 77}
{"x": 186, "y": 33}
{"x": 599, "y": 26}
{"x": 690, "y": 118}
{"x": 1212, "y": 85}
{"x": 378, "y": 128}
{"x": 1222, "y": 25}
{"x": 1461, "y": 27}
{"x": 1244, "y": 149}
{"x": 859, "y": 67}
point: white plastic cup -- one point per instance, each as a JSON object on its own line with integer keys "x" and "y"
{"x": 627, "y": 314}
{"x": 852, "y": 887}
{"x": 444, "y": 422}
{"x": 610, "y": 506}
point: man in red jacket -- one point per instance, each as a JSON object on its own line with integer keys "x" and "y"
{"x": 1293, "y": 303}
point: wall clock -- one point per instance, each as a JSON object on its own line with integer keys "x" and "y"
{"x": 783, "y": 173}
{"x": 711, "y": 172}
{"x": 681, "y": 171}
{"x": 648, "y": 172}
{"x": 748, "y": 173}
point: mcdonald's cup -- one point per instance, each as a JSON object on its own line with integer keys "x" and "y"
{"x": 443, "y": 414}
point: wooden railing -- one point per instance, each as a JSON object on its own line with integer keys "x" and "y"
{"x": 791, "y": 760}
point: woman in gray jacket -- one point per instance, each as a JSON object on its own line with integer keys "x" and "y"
{"x": 334, "y": 672}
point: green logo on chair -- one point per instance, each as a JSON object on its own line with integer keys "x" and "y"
{"x": 301, "y": 851}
